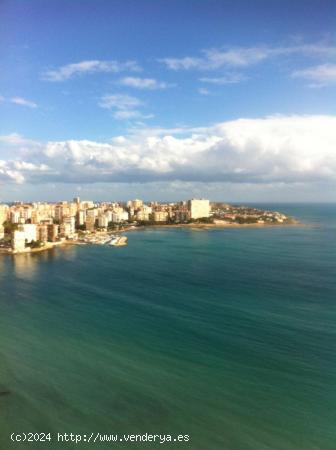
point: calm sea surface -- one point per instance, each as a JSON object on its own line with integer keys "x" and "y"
{"x": 226, "y": 335}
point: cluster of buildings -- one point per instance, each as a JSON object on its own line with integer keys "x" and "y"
{"x": 246, "y": 215}
{"x": 34, "y": 224}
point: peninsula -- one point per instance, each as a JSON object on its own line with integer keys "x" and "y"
{"x": 33, "y": 227}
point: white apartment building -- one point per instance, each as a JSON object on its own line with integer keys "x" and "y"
{"x": 103, "y": 221}
{"x": 18, "y": 241}
{"x": 199, "y": 208}
{"x": 81, "y": 217}
{"x": 87, "y": 204}
{"x": 143, "y": 213}
{"x": 119, "y": 216}
{"x": 26, "y": 213}
{"x": 68, "y": 226}
{"x": 135, "y": 204}
{"x": 30, "y": 232}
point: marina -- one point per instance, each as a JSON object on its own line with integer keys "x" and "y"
{"x": 104, "y": 239}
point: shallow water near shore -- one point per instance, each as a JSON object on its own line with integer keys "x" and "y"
{"x": 225, "y": 335}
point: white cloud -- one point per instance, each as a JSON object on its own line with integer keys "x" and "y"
{"x": 227, "y": 79}
{"x": 319, "y": 76}
{"x": 86, "y": 67}
{"x": 15, "y": 139}
{"x": 127, "y": 114}
{"x": 241, "y": 57}
{"x": 123, "y": 106}
{"x": 275, "y": 149}
{"x": 131, "y": 114}
{"x": 8, "y": 175}
{"x": 23, "y": 102}
{"x": 185, "y": 63}
{"x": 203, "y": 91}
{"x": 28, "y": 166}
{"x": 119, "y": 101}
{"x": 217, "y": 58}
{"x": 143, "y": 83}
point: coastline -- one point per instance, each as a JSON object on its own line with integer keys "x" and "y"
{"x": 190, "y": 226}
{"x": 216, "y": 226}
{"x": 46, "y": 247}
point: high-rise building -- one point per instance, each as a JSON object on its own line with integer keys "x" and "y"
{"x": 42, "y": 233}
{"x": 15, "y": 216}
{"x": 103, "y": 221}
{"x": 3, "y": 213}
{"x": 67, "y": 227}
{"x": 52, "y": 232}
{"x": 30, "y": 231}
{"x": 199, "y": 208}
{"x": 90, "y": 220}
{"x": 135, "y": 204}
{"x": 81, "y": 215}
{"x": 18, "y": 241}
{"x": 119, "y": 216}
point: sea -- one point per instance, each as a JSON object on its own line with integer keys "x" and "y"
{"x": 226, "y": 337}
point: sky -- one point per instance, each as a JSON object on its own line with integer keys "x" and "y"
{"x": 168, "y": 100}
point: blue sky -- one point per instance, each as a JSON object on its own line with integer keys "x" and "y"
{"x": 168, "y": 99}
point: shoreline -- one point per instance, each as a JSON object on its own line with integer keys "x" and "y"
{"x": 46, "y": 247}
{"x": 215, "y": 226}
{"x": 190, "y": 226}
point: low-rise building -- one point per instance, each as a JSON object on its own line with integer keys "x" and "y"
{"x": 182, "y": 215}
{"x": 160, "y": 216}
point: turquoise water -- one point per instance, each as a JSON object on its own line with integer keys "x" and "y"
{"x": 226, "y": 335}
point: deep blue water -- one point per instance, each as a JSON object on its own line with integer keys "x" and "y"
{"x": 226, "y": 335}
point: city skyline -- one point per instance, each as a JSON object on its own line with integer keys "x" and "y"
{"x": 168, "y": 100}
{"x": 26, "y": 227}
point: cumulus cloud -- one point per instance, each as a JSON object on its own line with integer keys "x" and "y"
{"x": 13, "y": 171}
{"x": 275, "y": 149}
{"x": 240, "y": 57}
{"x": 318, "y": 76}
{"x": 143, "y": 83}
{"x": 87, "y": 67}
{"x": 8, "y": 175}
